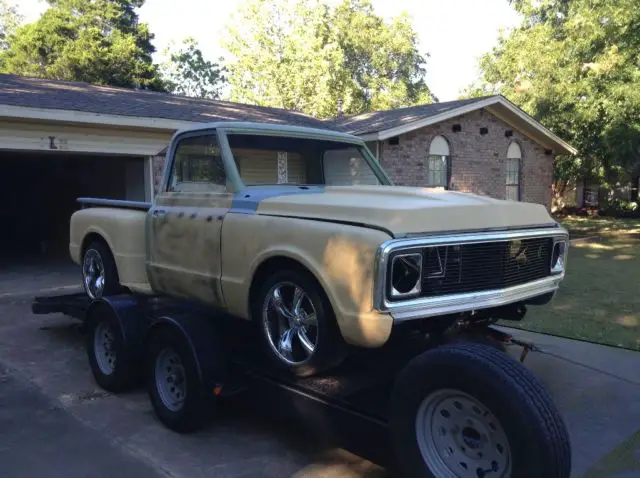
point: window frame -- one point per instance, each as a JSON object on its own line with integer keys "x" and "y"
{"x": 517, "y": 161}
{"x": 230, "y": 169}
{"x": 377, "y": 169}
{"x": 447, "y": 161}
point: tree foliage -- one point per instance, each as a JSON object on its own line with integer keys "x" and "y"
{"x": 574, "y": 65}
{"x": 97, "y": 41}
{"x": 188, "y": 73}
{"x": 10, "y": 19}
{"x": 306, "y": 56}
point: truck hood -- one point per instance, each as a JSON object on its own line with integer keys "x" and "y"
{"x": 404, "y": 210}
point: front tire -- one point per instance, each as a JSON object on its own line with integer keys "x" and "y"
{"x": 298, "y": 324}
{"x": 109, "y": 360}
{"x": 99, "y": 271}
{"x": 468, "y": 410}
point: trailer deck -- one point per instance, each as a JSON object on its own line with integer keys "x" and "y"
{"x": 352, "y": 405}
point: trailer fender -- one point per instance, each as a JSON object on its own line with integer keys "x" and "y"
{"x": 202, "y": 337}
{"x": 131, "y": 317}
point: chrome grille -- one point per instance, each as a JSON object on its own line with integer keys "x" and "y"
{"x": 455, "y": 269}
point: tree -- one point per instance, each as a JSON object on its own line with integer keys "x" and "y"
{"x": 188, "y": 73}
{"x": 303, "y": 55}
{"x": 575, "y": 67}
{"x": 97, "y": 41}
{"x": 10, "y": 19}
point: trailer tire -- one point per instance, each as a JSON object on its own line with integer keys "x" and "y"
{"x": 465, "y": 407}
{"x": 109, "y": 359}
{"x": 174, "y": 384}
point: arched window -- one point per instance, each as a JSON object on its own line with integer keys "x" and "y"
{"x": 514, "y": 158}
{"x": 438, "y": 163}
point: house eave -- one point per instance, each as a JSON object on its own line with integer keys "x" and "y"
{"x": 25, "y": 113}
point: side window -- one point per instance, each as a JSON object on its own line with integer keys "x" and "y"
{"x": 514, "y": 158}
{"x": 198, "y": 166}
{"x": 438, "y": 163}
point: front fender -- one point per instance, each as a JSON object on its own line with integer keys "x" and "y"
{"x": 340, "y": 256}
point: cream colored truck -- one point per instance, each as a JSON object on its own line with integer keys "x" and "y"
{"x": 301, "y": 231}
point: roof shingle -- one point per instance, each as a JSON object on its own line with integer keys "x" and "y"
{"x": 382, "y": 120}
{"x": 77, "y": 96}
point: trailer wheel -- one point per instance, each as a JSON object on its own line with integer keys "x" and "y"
{"x": 174, "y": 384}
{"x": 108, "y": 356}
{"x": 469, "y": 410}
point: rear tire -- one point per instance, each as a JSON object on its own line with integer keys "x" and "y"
{"x": 174, "y": 384}
{"x": 99, "y": 271}
{"x": 314, "y": 343}
{"x": 463, "y": 409}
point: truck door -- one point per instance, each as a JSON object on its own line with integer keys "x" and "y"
{"x": 185, "y": 222}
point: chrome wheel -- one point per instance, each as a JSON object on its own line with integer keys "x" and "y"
{"x": 93, "y": 274}
{"x": 459, "y": 437}
{"x": 290, "y": 323}
{"x": 104, "y": 348}
{"x": 170, "y": 378}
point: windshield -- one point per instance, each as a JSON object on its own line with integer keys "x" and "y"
{"x": 263, "y": 159}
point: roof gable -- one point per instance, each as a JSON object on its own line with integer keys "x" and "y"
{"x": 375, "y": 121}
{"x": 381, "y": 125}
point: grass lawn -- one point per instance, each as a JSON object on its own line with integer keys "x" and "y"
{"x": 599, "y": 300}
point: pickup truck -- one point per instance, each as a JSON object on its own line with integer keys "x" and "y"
{"x": 300, "y": 231}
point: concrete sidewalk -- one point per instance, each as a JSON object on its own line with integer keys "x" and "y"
{"x": 596, "y": 388}
{"x": 40, "y": 439}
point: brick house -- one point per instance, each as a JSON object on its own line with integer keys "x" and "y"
{"x": 485, "y": 145}
{"x": 70, "y": 139}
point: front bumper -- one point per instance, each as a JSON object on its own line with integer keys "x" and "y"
{"x": 457, "y": 303}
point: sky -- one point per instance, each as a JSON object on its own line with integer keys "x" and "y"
{"x": 453, "y": 32}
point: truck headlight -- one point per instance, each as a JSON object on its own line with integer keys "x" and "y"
{"x": 406, "y": 275}
{"x": 559, "y": 256}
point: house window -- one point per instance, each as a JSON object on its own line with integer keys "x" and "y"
{"x": 514, "y": 158}
{"x": 438, "y": 163}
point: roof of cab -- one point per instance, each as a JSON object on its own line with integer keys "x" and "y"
{"x": 275, "y": 128}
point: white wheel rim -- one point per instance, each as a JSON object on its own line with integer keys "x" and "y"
{"x": 459, "y": 437}
{"x": 170, "y": 379}
{"x": 93, "y": 274}
{"x": 104, "y": 348}
{"x": 290, "y": 323}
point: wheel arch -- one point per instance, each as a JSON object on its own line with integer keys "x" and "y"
{"x": 94, "y": 234}
{"x": 282, "y": 261}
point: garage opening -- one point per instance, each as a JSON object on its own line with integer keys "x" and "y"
{"x": 39, "y": 192}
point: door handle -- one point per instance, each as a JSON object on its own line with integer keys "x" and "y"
{"x": 159, "y": 213}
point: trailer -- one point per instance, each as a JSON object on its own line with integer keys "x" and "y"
{"x": 451, "y": 405}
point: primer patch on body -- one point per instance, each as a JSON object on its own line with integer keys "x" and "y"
{"x": 247, "y": 200}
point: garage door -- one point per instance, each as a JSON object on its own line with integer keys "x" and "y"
{"x": 40, "y": 190}
{"x": 261, "y": 166}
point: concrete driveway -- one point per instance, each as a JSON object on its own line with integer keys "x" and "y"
{"x": 50, "y": 408}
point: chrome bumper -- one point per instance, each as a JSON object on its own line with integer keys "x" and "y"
{"x": 452, "y": 304}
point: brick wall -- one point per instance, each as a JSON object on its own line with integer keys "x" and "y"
{"x": 477, "y": 161}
